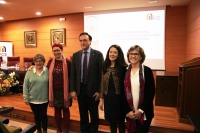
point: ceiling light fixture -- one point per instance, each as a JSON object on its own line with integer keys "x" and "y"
{"x": 38, "y": 13}
{"x": 153, "y": 1}
{"x": 2, "y": 2}
{"x": 62, "y": 19}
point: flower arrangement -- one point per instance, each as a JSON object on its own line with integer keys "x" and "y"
{"x": 7, "y": 81}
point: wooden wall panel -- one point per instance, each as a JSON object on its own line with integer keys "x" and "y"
{"x": 175, "y": 30}
{"x": 193, "y": 26}
{"x": 172, "y": 61}
{"x": 193, "y": 30}
{"x": 173, "y": 14}
{"x": 189, "y": 57}
{"x": 175, "y": 37}
{"x": 175, "y": 44}
{"x": 14, "y": 31}
{"x": 193, "y": 43}
{"x": 193, "y": 10}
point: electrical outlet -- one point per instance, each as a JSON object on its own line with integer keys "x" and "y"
{"x": 22, "y": 117}
{"x": 15, "y": 115}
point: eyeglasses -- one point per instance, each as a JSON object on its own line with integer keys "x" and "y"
{"x": 56, "y": 51}
{"x": 38, "y": 61}
{"x": 134, "y": 54}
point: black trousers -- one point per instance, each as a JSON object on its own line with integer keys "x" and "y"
{"x": 120, "y": 125}
{"x": 40, "y": 115}
{"x": 88, "y": 106}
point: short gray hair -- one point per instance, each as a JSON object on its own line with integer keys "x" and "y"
{"x": 139, "y": 49}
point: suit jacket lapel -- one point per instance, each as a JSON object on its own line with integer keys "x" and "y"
{"x": 92, "y": 58}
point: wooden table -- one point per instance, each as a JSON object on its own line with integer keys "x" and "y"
{"x": 166, "y": 88}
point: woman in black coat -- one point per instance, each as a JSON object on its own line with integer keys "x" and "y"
{"x": 139, "y": 90}
{"x": 112, "y": 92}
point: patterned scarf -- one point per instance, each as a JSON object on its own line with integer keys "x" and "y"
{"x": 65, "y": 79}
{"x": 131, "y": 124}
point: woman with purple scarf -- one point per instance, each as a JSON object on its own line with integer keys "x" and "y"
{"x": 139, "y": 90}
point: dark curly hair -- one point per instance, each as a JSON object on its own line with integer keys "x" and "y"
{"x": 120, "y": 62}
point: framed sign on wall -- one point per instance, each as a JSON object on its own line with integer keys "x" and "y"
{"x": 30, "y": 39}
{"x": 58, "y": 36}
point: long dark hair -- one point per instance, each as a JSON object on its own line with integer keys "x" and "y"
{"x": 120, "y": 61}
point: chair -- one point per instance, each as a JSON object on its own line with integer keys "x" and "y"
{"x": 13, "y": 60}
{"x": 10, "y": 128}
{"x": 28, "y": 61}
{"x": 15, "y": 129}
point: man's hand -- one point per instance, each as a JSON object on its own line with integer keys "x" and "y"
{"x": 96, "y": 95}
{"x": 73, "y": 95}
{"x": 31, "y": 68}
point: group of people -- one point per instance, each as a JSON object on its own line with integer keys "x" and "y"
{"x": 123, "y": 91}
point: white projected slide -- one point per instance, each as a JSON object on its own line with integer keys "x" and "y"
{"x": 144, "y": 27}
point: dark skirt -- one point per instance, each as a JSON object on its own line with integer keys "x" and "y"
{"x": 113, "y": 104}
{"x": 59, "y": 98}
{"x": 113, "y": 108}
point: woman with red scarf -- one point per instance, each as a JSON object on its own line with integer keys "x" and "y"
{"x": 139, "y": 90}
{"x": 59, "y": 98}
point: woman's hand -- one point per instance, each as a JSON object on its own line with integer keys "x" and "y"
{"x": 137, "y": 114}
{"x": 26, "y": 102}
{"x": 73, "y": 95}
{"x": 130, "y": 115}
{"x": 101, "y": 104}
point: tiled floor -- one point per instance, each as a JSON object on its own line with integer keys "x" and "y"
{"x": 24, "y": 125}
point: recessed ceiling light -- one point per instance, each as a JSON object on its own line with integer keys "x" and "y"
{"x": 38, "y": 13}
{"x": 1, "y": 18}
{"x": 2, "y": 2}
{"x": 62, "y": 19}
{"x": 87, "y": 7}
{"x": 153, "y": 1}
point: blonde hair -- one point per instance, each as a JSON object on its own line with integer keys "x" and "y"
{"x": 37, "y": 56}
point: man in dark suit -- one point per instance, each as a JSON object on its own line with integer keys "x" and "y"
{"x": 85, "y": 82}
